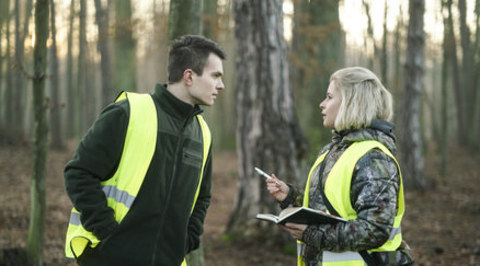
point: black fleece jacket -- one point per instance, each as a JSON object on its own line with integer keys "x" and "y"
{"x": 158, "y": 229}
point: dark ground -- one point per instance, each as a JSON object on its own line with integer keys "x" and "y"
{"x": 441, "y": 225}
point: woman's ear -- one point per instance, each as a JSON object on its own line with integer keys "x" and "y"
{"x": 188, "y": 76}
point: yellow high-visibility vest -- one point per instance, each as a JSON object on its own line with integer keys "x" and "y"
{"x": 121, "y": 192}
{"x": 337, "y": 190}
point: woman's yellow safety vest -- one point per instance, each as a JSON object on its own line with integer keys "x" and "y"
{"x": 141, "y": 138}
{"x": 337, "y": 190}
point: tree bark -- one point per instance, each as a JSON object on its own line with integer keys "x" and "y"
{"x": 444, "y": 103}
{"x": 57, "y": 141}
{"x": 19, "y": 72}
{"x": 185, "y": 17}
{"x": 4, "y": 10}
{"x": 459, "y": 91}
{"x": 83, "y": 103}
{"x": 384, "y": 58}
{"x": 125, "y": 48}
{"x": 6, "y": 110}
{"x": 397, "y": 69}
{"x": 102, "y": 18}
{"x": 36, "y": 230}
{"x": 411, "y": 141}
{"x": 318, "y": 42}
{"x": 9, "y": 81}
{"x": 70, "y": 87}
{"x": 268, "y": 135}
{"x": 223, "y": 112}
{"x": 370, "y": 36}
{"x": 476, "y": 82}
{"x": 467, "y": 70}
{"x": 210, "y": 19}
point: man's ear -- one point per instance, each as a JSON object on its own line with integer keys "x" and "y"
{"x": 188, "y": 76}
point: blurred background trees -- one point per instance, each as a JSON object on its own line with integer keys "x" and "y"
{"x": 101, "y": 47}
{"x": 97, "y": 48}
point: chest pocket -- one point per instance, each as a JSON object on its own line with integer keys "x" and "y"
{"x": 192, "y": 157}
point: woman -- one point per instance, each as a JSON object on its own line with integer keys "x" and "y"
{"x": 364, "y": 186}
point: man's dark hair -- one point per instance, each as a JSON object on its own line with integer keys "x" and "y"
{"x": 190, "y": 51}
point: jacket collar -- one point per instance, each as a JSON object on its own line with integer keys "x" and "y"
{"x": 379, "y": 130}
{"x": 172, "y": 105}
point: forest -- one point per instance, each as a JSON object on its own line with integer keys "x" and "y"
{"x": 63, "y": 61}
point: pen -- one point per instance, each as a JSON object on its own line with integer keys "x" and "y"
{"x": 264, "y": 174}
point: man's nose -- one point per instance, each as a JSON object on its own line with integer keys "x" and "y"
{"x": 220, "y": 85}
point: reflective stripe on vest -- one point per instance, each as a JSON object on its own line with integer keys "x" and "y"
{"x": 337, "y": 190}
{"x": 347, "y": 258}
{"x": 120, "y": 192}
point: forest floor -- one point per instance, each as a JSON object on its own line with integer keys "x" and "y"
{"x": 441, "y": 225}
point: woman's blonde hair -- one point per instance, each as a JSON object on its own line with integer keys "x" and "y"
{"x": 364, "y": 98}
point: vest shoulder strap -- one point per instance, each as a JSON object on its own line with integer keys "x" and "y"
{"x": 337, "y": 185}
{"x": 207, "y": 140}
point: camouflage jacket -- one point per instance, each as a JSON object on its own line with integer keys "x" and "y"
{"x": 373, "y": 196}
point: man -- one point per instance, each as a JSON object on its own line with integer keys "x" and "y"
{"x": 140, "y": 180}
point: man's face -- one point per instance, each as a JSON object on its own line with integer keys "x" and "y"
{"x": 204, "y": 89}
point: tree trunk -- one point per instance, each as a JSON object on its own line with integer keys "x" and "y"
{"x": 125, "y": 48}
{"x": 19, "y": 72}
{"x": 370, "y": 37}
{"x": 102, "y": 18}
{"x": 80, "y": 99}
{"x": 36, "y": 230}
{"x": 468, "y": 70}
{"x": 5, "y": 112}
{"x": 301, "y": 66}
{"x": 9, "y": 81}
{"x": 444, "y": 104}
{"x": 185, "y": 18}
{"x": 459, "y": 91}
{"x": 268, "y": 135}
{"x": 55, "y": 123}
{"x": 17, "y": 77}
{"x": 219, "y": 114}
{"x": 210, "y": 19}
{"x": 397, "y": 69}
{"x": 384, "y": 64}
{"x": 317, "y": 52}
{"x": 70, "y": 87}
{"x": 476, "y": 82}
{"x": 411, "y": 141}
{"x": 4, "y": 10}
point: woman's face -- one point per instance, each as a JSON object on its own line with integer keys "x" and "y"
{"x": 330, "y": 106}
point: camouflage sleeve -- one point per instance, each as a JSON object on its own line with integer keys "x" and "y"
{"x": 374, "y": 194}
{"x": 294, "y": 198}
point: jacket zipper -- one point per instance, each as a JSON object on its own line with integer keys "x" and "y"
{"x": 169, "y": 192}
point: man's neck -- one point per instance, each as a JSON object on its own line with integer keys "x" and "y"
{"x": 180, "y": 91}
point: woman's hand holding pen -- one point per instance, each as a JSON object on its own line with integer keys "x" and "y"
{"x": 277, "y": 188}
